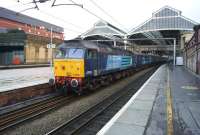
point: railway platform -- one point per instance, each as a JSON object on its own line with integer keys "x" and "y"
{"x": 17, "y": 85}
{"x": 11, "y": 79}
{"x": 167, "y": 103}
{"x": 4, "y": 67}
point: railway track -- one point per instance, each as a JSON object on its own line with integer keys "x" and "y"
{"x": 32, "y": 111}
{"x": 93, "y": 119}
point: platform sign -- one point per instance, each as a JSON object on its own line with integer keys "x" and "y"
{"x": 179, "y": 61}
{"x": 51, "y": 46}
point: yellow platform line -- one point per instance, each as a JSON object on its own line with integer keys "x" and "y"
{"x": 170, "y": 128}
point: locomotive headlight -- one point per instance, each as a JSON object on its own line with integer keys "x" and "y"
{"x": 74, "y": 83}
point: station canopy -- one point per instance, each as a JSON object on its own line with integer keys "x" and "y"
{"x": 103, "y": 30}
{"x": 167, "y": 22}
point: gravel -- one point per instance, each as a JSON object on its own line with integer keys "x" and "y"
{"x": 51, "y": 120}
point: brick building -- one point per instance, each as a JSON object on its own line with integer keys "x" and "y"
{"x": 23, "y": 39}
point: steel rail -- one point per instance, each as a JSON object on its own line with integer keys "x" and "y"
{"x": 32, "y": 111}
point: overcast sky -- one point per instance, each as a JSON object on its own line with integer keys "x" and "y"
{"x": 125, "y": 14}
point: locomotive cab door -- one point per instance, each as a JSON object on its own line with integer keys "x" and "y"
{"x": 92, "y": 66}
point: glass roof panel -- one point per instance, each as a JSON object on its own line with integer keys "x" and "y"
{"x": 166, "y": 12}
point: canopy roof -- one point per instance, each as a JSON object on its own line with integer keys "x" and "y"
{"x": 166, "y": 18}
{"x": 105, "y": 30}
{"x": 167, "y": 22}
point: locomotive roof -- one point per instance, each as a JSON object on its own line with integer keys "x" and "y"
{"x": 79, "y": 44}
{"x": 92, "y": 45}
{"x": 98, "y": 46}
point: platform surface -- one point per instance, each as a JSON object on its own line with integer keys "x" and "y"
{"x": 18, "y": 78}
{"x": 186, "y": 101}
{"x": 148, "y": 111}
{"x": 4, "y": 67}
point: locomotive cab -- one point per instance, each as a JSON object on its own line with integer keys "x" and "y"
{"x": 91, "y": 62}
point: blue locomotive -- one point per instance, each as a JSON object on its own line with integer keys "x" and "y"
{"x": 81, "y": 65}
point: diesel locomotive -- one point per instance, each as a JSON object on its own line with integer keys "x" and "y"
{"x": 81, "y": 65}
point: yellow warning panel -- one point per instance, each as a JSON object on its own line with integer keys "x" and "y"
{"x": 69, "y": 67}
{"x": 170, "y": 128}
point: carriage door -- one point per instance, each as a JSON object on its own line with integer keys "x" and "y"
{"x": 92, "y": 61}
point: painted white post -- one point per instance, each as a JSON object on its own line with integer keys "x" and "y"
{"x": 125, "y": 45}
{"x": 174, "y": 52}
{"x": 51, "y": 35}
{"x": 114, "y": 43}
{"x": 51, "y": 63}
{"x": 125, "y": 42}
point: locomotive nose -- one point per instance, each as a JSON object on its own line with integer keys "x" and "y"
{"x": 69, "y": 67}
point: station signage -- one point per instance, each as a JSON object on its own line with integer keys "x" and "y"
{"x": 51, "y": 46}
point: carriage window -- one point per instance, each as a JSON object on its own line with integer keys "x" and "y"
{"x": 91, "y": 54}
